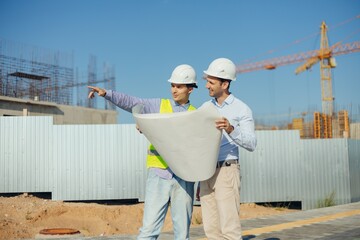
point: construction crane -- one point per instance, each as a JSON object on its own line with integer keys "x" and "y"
{"x": 325, "y": 55}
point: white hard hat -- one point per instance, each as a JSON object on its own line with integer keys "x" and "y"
{"x": 183, "y": 74}
{"x": 222, "y": 68}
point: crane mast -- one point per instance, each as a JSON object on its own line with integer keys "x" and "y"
{"x": 326, "y": 63}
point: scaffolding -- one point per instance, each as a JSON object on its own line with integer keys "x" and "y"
{"x": 38, "y": 74}
{"x": 35, "y": 74}
{"x": 322, "y": 125}
{"x": 298, "y": 124}
{"x": 343, "y": 121}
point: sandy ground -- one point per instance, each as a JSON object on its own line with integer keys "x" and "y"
{"x": 24, "y": 216}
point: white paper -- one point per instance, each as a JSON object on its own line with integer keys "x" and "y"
{"x": 188, "y": 141}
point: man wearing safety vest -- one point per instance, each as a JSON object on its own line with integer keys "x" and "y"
{"x": 162, "y": 186}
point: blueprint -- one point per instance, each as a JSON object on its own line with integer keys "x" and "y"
{"x": 188, "y": 141}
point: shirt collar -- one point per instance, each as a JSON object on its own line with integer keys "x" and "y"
{"x": 227, "y": 101}
{"x": 186, "y": 105}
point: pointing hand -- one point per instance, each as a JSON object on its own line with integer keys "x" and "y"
{"x": 101, "y": 92}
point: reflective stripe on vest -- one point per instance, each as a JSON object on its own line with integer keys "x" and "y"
{"x": 153, "y": 157}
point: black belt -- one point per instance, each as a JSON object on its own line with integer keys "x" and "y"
{"x": 226, "y": 163}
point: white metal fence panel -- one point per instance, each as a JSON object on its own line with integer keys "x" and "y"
{"x": 99, "y": 162}
{"x": 354, "y": 165}
{"x": 270, "y": 174}
{"x": 325, "y": 172}
{"x": 25, "y": 154}
{"x": 285, "y": 168}
{"x": 104, "y": 162}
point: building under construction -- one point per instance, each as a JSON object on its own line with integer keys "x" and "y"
{"x": 314, "y": 124}
{"x": 323, "y": 126}
{"x": 43, "y": 75}
{"x": 41, "y": 78}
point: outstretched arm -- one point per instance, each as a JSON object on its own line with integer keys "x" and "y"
{"x": 124, "y": 101}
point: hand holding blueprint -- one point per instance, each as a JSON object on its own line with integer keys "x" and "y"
{"x": 188, "y": 141}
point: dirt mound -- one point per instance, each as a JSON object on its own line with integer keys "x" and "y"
{"x": 24, "y": 216}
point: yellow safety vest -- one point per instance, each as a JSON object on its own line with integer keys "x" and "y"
{"x": 153, "y": 157}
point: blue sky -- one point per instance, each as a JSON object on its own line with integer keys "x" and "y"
{"x": 145, "y": 40}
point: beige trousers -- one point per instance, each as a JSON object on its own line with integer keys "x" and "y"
{"x": 220, "y": 204}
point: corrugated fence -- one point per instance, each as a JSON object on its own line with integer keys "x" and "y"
{"x": 105, "y": 162}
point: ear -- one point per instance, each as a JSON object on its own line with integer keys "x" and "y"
{"x": 190, "y": 89}
{"x": 225, "y": 85}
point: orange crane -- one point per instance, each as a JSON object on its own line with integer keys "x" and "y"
{"x": 324, "y": 55}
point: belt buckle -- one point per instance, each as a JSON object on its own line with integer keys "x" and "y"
{"x": 227, "y": 163}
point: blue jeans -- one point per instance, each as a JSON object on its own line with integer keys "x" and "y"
{"x": 159, "y": 196}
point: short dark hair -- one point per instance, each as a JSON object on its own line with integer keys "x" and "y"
{"x": 193, "y": 85}
{"x": 225, "y": 80}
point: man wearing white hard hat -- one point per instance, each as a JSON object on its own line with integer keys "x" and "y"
{"x": 162, "y": 185}
{"x": 220, "y": 195}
